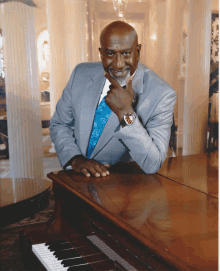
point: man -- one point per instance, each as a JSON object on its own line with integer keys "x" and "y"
{"x": 139, "y": 116}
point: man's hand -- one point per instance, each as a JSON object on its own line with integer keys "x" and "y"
{"x": 120, "y": 99}
{"x": 90, "y": 166}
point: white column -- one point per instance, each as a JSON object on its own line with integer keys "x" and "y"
{"x": 56, "y": 27}
{"x": 58, "y": 75}
{"x": 195, "y": 118}
{"x": 172, "y": 49}
{"x": 67, "y": 24}
{"x": 150, "y": 46}
{"x": 22, "y": 90}
{"x": 76, "y": 33}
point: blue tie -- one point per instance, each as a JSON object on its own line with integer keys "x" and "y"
{"x": 102, "y": 115}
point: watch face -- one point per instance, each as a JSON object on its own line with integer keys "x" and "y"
{"x": 129, "y": 119}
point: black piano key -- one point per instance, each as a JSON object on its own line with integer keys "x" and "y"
{"x": 57, "y": 245}
{"x": 60, "y": 247}
{"x": 51, "y": 242}
{"x": 88, "y": 250}
{"x": 60, "y": 253}
{"x": 107, "y": 265}
{"x": 88, "y": 259}
{"x": 83, "y": 260}
{"x": 80, "y": 243}
{"x": 72, "y": 253}
{"x": 48, "y": 243}
{"x": 96, "y": 258}
{"x": 84, "y": 267}
{"x": 66, "y": 245}
{"x": 72, "y": 262}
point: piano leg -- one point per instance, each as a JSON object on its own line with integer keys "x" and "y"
{"x": 54, "y": 223}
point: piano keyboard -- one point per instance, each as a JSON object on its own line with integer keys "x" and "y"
{"x": 83, "y": 254}
{"x": 110, "y": 253}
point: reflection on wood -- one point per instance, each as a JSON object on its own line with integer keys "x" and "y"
{"x": 19, "y": 189}
{"x": 177, "y": 219}
{"x": 197, "y": 171}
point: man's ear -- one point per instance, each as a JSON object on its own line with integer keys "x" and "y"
{"x": 138, "y": 52}
{"x": 100, "y": 52}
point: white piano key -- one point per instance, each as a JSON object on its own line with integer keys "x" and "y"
{"x": 50, "y": 257}
{"x": 51, "y": 263}
{"x": 46, "y": 257}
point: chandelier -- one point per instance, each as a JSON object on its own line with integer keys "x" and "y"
{"x": 27, "y": 2}
{"x": 120, "y": 7}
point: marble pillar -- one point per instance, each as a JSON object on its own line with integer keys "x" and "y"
{"x": 22, "y": 90}
{"x": 150, "y": 46}
{"x": 68, "y": 26}
{"x": 196, "y": 93}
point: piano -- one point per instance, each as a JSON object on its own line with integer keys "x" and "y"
{"x": 131, "y": 221}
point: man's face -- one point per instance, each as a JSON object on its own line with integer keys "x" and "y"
{"x": 120, "y": 55}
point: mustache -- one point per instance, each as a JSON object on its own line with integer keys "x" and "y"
{"x": 120, "y": 70}
{"x": 121, "y": 79}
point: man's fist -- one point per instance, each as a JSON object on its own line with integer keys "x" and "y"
{"x": 120, "y": 99}
{"x": 90, "y": 166}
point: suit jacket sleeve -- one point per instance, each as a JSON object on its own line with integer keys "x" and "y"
{"x": 62, "y": 126}
{"x": 148, "y": 142}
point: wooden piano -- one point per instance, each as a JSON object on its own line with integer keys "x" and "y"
{"x": 132, "y": 221}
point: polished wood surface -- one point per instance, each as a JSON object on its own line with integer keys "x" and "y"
{"x": 21, "y": 198}
{"x": 197, "y": 171}
{"x": 177, "y": 221}
{"x": 14, "y": 190}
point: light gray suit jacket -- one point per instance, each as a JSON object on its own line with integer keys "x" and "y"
{"x": 145, "y": 141}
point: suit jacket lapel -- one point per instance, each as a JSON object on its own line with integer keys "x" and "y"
{"x": 92, "y": 91}
{"x": 108, "y": 132}
{"x": 113, "y": 124}
{"x": 137, "y": 82}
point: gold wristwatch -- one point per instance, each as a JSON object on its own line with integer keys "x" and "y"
{"x": 128, "y": 119}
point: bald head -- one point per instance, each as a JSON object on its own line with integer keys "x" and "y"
{"x": 118, "y": 28}
{"x": 120, "y": 51}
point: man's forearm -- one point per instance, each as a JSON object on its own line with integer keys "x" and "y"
{"x": 148, "y": 143}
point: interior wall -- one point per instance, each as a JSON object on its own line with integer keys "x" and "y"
{"x": 102, "y": 13}
{"x": 159, "y": 24}
{"x": 41, "y": 17}
{"x": 159, "y": 27}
